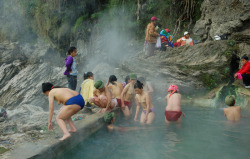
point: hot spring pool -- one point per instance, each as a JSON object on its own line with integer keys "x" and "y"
{"x": 203, "y": 134}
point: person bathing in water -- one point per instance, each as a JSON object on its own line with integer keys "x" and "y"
{"x": 127, "y": 95}
{"x": 173, "y": 109}
{"x": 109, "y": 118}
{"x": 72, "y": 103}
{"x": 102, "y": 97}
{"x": 116, "y": 88}
{"x": 142, "y": 97}
{"x": 233, "y": 113}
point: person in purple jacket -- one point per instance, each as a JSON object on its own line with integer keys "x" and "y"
{"x": 71, "y": 71}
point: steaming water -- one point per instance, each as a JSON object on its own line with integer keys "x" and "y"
{"x": 203, "y": 134}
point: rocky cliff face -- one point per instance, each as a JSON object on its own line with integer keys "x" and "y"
{"x": 223, "y": 17}
{"x": 23, "y": 70}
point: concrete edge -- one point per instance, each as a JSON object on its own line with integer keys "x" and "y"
{"x": 86, "y": 128}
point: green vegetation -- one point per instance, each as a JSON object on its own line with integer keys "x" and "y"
{"x": 3, "y": 150}
{"x": 62, "y": 21}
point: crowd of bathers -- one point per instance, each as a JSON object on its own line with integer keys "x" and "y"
{"x": 113, "y": 94}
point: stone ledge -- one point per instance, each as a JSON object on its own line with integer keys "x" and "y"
{"x": 51, "y": 147}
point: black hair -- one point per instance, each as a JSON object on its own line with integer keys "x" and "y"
{"x": 71, "y": 49}
{"x": 138, "y": 84}
{"x": 244, "y": 57}
{"x": 48, "y": 86}
{"x": 233, "y": 103}
{"x": 112, "y": 79}
{"x": 141, "y": 79}
{"x": 87, "y": 75}
{"x": 126, "y": 79}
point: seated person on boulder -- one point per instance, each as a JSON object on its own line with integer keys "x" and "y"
{"x": 244, "y": 72}
{"x": 232, "y": 112}
{"x": 186, "y": 40}
{"x": 102, "y": 97}
{"x": 166, "y": 39}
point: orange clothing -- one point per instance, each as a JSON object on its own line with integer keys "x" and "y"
{"x": 151, "y": 34}
{"x": 184, "y": 41}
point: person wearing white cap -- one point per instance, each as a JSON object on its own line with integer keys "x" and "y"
{"x": 151, "y": 37}
{"x": 186, "y": 40}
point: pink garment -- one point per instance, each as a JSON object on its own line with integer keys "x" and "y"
{"x": 239, "y": 76}
{"x": 173, "y": 88}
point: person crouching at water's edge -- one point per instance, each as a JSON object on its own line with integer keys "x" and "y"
{"x": 72, "y": 103}
{"x": 71, "y": 70}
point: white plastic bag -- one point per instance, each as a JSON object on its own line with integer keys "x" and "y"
{"x": 158, "y": 43}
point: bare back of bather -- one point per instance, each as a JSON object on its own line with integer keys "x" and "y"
{"x": 173, "y": 102}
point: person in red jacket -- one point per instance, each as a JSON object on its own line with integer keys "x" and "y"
{"x": 244, "y": 72}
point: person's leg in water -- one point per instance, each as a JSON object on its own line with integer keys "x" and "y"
{"x": 126, "y": 111}
{"x": 151, "y": 117}
{"x": 71, "y": 125}
{"x": 65, "y": 113}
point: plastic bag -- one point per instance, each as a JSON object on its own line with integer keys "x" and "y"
{"x": 158, "y": 43}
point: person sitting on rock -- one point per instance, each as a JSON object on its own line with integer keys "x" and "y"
{"x": 186, "y": 40}
{"x": 173, "y": 109}
{"x": 102, "y": 97}
{"x": 87, "y": 87}
{"x": 244, "y": 72}
{"x": 232, "y": 112}
{"x": 166, "y": 39}
{"x": 116, "y": 88}
{"x": 72, "y": 103}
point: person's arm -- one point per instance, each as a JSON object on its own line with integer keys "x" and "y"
{"x": 91, "y": 89}
{"x": 124, "y": 91}
{"x": 107, "y": 84}
{"x": 137, "y": 108}
{"x": 179, "y": 40}
{"x": 191, "y": 43}
{"x": 68, "y": 63}
{"x": 148, "y": 102}
{"x": 152, "y": 32}
{"x": 225, "y": 112}
{"x": 108, "y": 95}
{"x": 244, "y": 68}
{"x": 150, "y": 88}
{"x": 51, "y": 110}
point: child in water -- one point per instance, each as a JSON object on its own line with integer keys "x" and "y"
{"x": 232, "y": 112}
{"x": 173, "y": 109}
{"x": 72, "y": 103}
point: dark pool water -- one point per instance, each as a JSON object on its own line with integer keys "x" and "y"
{"x": 203, "y": 134}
